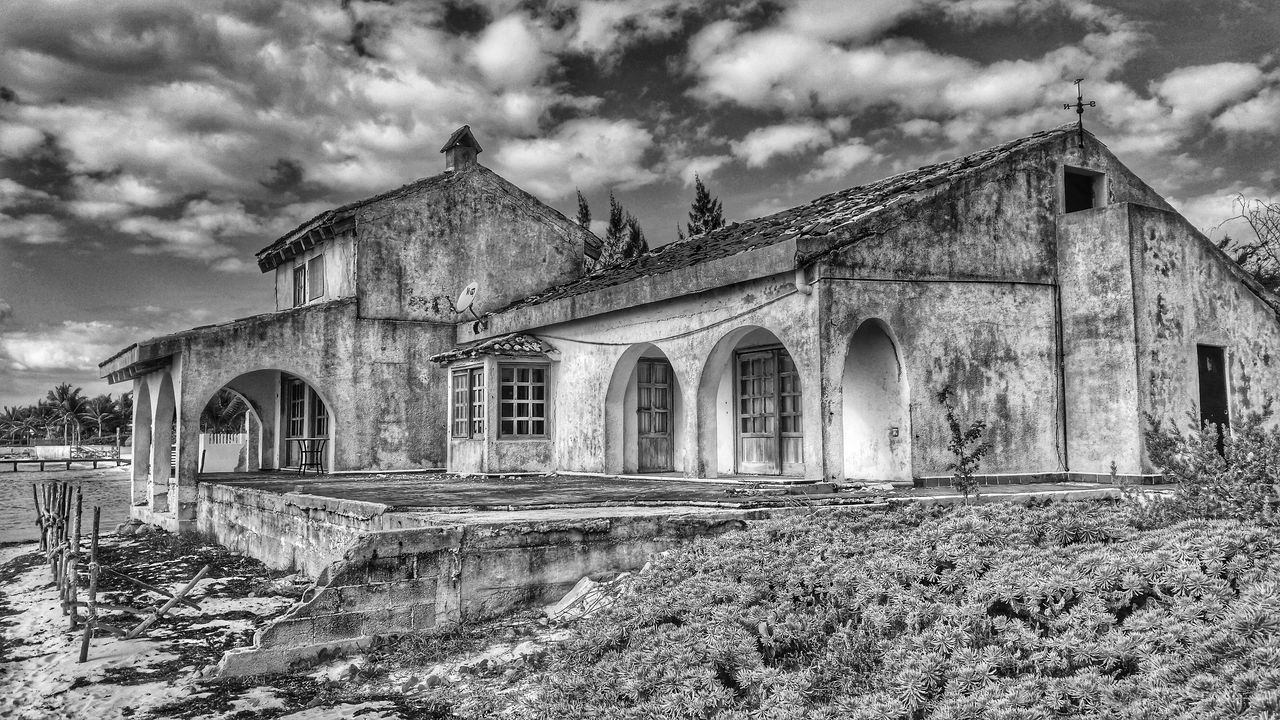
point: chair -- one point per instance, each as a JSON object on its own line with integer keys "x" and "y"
{"x": 311, "y": 454}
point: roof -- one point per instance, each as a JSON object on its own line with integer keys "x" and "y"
{"x": 510, "y": 345}
{"x": 842, "y": 211}
{"x": 462, "y": 136}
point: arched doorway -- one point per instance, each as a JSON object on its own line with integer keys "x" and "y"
{"x": 644, "y": 414}
{"x": 876, "y": 407}
{"x": 230, "y": 434}
{"x": 287, "y": 415}
{"x": 751, "y": 403}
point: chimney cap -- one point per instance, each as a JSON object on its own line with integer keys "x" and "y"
{"x": 462, "y": 137}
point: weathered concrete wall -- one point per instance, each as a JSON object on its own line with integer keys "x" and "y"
{"x": 409, "y": 580}
{"x": 1187, "y": 293}
{"x": 1100, "y": 371}
{"x": 416, "y": 253}
{"x": 993, "y": 343}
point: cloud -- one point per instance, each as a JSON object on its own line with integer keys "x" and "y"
{"x": 13, "y": 194}
{"x": 199, "y": 233}
{"x": 34, "y": 229}
{"x": 6, "y": 311}
{"x": 703, "y": 166}
{"x": 587, "y": 153}
{"x": 116, "y": 196}
{"x": 17, "y": 140}
{"x": 761, "y": 145}
{"x": 836, "y": 162}
{"x": 510, "y": 52}
{"x": 1200, "y": 90}
{"x": 606, "y": 28}
{"x": 69, "y": 345}
{"x": 1258, "y": 114}
{"x": 1215, "y": 213}
{"x": 844, "y": 20}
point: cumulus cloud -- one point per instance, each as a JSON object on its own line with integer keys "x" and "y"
{"x": 33, "y": 229}
{"x": 510, "y": 52}
{"x": 586, "y": 153}
{"x": 604, "y": 28}
{"x": 1216, "y": 212}
{"x": 13, "y": 194}
{"x": 198, "y": 233}
{"x": 116, "y": 196}
{"x": 836, "y": 162}
{"x": 69, "y": 345}
{"x": 1202, "y": 89}
{"x": 6, "y": 311}
{"x": 761, "y": 145}
{"x": 1258, "y": 114}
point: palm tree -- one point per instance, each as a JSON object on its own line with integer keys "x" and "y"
{"x": 124, "y": 412}
{"x": 223, "y": 413}
{"x": 67, "y": 403}
{"x": 101, "y": 410}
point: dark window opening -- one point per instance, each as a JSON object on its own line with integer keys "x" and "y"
{"x": 522, "y": 400}
{"x": 1080, "y": 190}
{"x": 1214, "y": 412}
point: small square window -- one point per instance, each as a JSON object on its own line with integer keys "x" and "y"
{"x": 1081, "y": 190}
{"x": 522, "y": 409}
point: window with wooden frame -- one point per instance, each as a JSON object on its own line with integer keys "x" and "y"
{"x": 299, "y": 285}
{"x": 468, "y": 403}
{"x": 522, "y": 398}
{"x": 315, "y": 277}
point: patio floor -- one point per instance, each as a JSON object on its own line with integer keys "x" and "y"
{"x": 455, "y": 493}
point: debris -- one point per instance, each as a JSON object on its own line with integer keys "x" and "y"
{"x": 586, "y": 598}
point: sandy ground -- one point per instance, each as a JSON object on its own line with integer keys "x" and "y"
{"x": 161, "y": 675}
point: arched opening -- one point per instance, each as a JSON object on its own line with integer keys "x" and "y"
{"x": 750, "y": 404}
{"x": 287, "y": 420}
{"x": 141, "y": 460}
{"x": 644, "y": 414}
{"x": 164, "y": 443}
{"x": 230, "y": 434}
{"x": 876, "y": 407}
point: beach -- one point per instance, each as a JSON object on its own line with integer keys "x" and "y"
{"x": 105, "y": 487}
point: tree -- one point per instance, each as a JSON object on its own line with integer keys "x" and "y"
{"x": 623, "y": 237}
{"x": 99, "y": 411}
{"x": 705, "y": 212}
{"x": 1260, "y": 257}
{"x": 66, "y": 404}
{"x": 124, "y": 412}
{"x": 584, "y": 212}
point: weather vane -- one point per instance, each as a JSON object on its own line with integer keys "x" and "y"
{"x": 1079, "y": 105}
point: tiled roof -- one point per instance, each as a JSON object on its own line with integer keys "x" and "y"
{"x": 329, "y": 217}
{"x": 840, "y": 211}
{"x": 458, "y": 137}
{"x": 512, "y": 345}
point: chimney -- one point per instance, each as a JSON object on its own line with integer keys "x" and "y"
{"x": 461, "y": 149}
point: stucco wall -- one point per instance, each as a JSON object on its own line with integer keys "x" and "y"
{"x": 1188, "y": 293}
{"x": 418, "y": 252}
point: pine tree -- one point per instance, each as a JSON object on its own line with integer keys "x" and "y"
{"x": 636, "y": 244}
{"x": 584, "y": 212}
{"x": 615, "y": 233}
{"x": 705, "y": 212}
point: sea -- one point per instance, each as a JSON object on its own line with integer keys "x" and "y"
{"x": 107, "y": 488}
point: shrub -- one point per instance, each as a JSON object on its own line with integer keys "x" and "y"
{"x": 965, "y": 444}
{"x": 1240, "y": 482}
{"x": 996, "y": 611}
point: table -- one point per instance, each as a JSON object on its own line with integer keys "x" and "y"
{"x": 310, "y": 453}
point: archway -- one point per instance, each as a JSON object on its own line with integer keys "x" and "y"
{"x": 288, "y": 414}
{"x": 876, "y": 407}
{"x": 644, "y": 414}
{"x": 230, "y": 433}
{"x": 751, "y": 408}
{"x": 164, "y": 442}
{"x": 141, "y": 459}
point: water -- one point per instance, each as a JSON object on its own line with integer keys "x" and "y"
{"x": 105, "y": 487}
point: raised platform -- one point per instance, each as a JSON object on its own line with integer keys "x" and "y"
{"x": 393, "y": 553}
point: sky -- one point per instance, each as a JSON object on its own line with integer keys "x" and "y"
{"x": 148, "y": 149}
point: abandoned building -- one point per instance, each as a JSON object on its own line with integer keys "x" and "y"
{"x": 1055, "y": 293}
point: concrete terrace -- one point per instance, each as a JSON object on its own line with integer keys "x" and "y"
{"x": 432, "y": 492}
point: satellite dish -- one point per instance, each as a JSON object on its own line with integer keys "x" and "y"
{"x": 466, "y": 298}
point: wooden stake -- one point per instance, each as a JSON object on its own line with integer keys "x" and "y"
{"x": 167, "y": 606}
{"x": 116, "y": 573}
{"x": 35, "y": 494}
{"x": 74, "y": 585}
{"x": 91, "y": 612}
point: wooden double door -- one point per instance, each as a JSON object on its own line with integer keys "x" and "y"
{"x": 769, "y": 429}
{"x": 655, "y": 402}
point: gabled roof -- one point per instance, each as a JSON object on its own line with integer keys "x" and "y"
{"x": 462, "y": 136}
{"x": 511, "y": 345}
{"x": 839, "y": 211}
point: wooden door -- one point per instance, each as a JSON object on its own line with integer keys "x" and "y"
{"x": 769, "y": 422}
{"x": 653, "y": 416}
